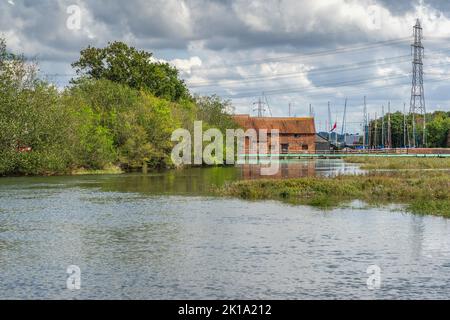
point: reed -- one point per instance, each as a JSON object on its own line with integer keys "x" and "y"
{"x": 420, "y": 192}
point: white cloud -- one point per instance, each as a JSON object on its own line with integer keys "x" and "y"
{"x": 186, "y": 65}
{"x": 213, "y": 42}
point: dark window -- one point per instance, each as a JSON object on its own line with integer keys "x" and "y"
{"x": 284, "y": 148}
{"x": 297, "y": 135}
{"x": 305, "y": 147}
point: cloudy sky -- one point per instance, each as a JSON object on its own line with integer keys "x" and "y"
{"x": 297, "y": 52}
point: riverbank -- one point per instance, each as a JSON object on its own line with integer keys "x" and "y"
{"x": 111, "y": 169}
{"x": 420, "y": 192}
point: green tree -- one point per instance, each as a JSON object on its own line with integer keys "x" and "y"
{"x": 94, "y": 143}
{"x": 126, "y": 65}
{"x": 437, "y": 129}
{"x": 30, "y": 117}
{"x": 139, "y": 123}
{"x": 214, "y": 111}
{"x": 438, "y": 126}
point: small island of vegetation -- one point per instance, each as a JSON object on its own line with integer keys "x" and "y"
{"x": 422, "y": 192}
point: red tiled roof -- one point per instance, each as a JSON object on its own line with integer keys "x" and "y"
{"x": 293, "y": 125}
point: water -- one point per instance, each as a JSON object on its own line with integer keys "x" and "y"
{"x": 162, "y": 236}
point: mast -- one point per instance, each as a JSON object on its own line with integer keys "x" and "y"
{"x": 383, "y": 142}
{"x": 375, "y": 133}
{"x": 389, "y": 132}
{"x": 404, "y": 124}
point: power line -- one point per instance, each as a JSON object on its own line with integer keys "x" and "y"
{"x": 320, "y": 71}
{"x": 324, "y": 86}
{"x": 319, "y": 87}
{"x": 325, "y": 70}
{"x": 314, "y": 54}
{"x": 390, "y": 85}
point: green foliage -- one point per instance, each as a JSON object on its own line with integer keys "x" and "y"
{"x": 94, "y": 147}
{"x": 437, "y": 126}
{"x": 214, "y": 110}
{"x": 139, "y": 123}
{"x": 438, "y": 129}
{"x": 121, "y": 114}
{"x": 126, "y": 65}
{"x": 400, "y": 163}
{"x": 30, "y": 117}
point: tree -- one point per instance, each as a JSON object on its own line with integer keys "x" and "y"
{"x": 437, "y": 129}
{"x": 31, "y": 117}
{"x": 214, "y": 111}
{"x": 126, "y": 65}
{"x": 438, "y": 126}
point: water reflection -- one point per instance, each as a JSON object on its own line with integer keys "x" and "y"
{"x": 200, "y": 181}
{"x": 189, "y": 181}
{"x": 301, "y": 168}
{"x": 286, "y": 169}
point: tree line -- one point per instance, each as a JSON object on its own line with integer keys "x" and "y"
{"x": 120, "y": 110}
{"x": 436, "y": 132}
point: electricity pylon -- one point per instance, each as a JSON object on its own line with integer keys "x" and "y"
{"x": 260, "y": 107}
{"x": 417, "y": 105}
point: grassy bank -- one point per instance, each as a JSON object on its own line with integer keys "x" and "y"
{"x": 373, "y": 163}
{"x": 423, "y": 193}
{"x": 110, "y": 169}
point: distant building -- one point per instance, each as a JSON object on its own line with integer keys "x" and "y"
{"x": 322, "y": 144}
{"x": 297, "y": 135}
{"x": 352, "y": 139}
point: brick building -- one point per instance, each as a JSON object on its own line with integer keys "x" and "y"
{"x": 297, "y": 135}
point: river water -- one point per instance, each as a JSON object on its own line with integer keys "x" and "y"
{"x": 163, "y": 236}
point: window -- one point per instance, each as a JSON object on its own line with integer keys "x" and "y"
{"x": 285, "y": 148}
{"x": 297, "y": 135}
{"x": 305, "y": 147}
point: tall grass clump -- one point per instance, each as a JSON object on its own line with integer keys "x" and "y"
{"x": 400, "y": 163}
{"x": 423, "y": 193}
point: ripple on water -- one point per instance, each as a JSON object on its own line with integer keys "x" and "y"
{"x": 133, "y": 243}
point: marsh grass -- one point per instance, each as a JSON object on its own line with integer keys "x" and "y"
{"x": 421, "y": 192}
{"x": 399, "y": 163}
{"x": 109, "y": 169}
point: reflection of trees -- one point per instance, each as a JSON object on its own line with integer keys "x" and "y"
{"x": 332, "y": 167}
{"x": 288, "y": 169}
{"x": 189, "y": 181}
{"x": 199, "y": 180}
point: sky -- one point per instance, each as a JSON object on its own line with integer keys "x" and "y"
{"x": 289, "y": 52}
